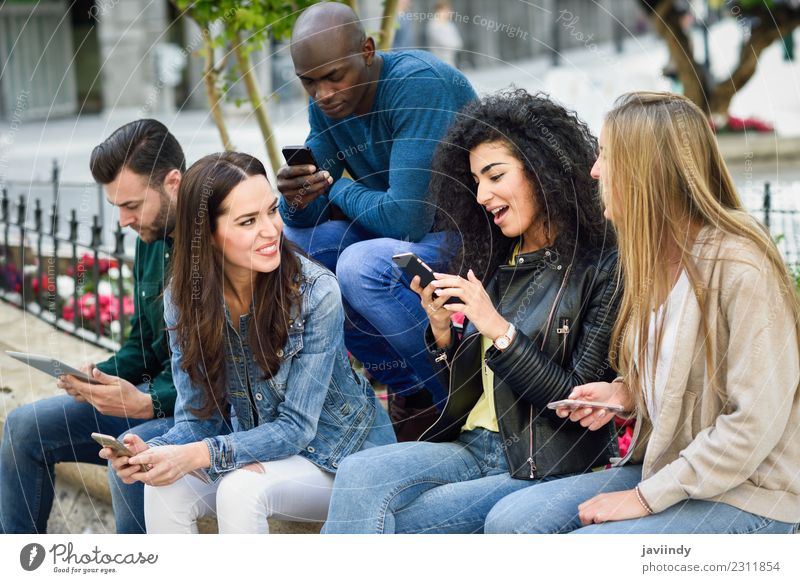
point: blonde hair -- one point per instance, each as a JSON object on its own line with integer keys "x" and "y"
{"x": 667, "y": 179}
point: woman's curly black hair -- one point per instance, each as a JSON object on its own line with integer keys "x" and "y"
{"x": 557, "y": 151}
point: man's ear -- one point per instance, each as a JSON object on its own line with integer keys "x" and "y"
{"x": 368, "y": 50}
{"x": 172, "y": 182}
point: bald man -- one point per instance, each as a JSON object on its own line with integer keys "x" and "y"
{"x": 379, "y": 116}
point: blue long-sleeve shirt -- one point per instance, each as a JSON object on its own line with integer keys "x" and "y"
{"x": 387, "y": 151}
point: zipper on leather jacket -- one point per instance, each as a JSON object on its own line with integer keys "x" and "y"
{"x": 443, "y": 358}
{"x": 530, "y": 441}
{"x": 563, "y": 330}
{"x": 565, "y": 324}
{"x": 555, "y": 304}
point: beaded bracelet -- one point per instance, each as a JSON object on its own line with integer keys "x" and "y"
{"x": 642, "y": 501}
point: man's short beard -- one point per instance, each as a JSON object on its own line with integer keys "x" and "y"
{"x": 164, "y": 222}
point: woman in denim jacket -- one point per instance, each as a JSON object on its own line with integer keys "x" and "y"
{"x": 268, "y": 404}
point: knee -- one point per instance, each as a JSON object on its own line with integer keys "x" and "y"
{"x": 368, "y": 468}
{"x": 349, "y": 471}
{"x": 502, "y": 519}
{"x": 21, "y": 430}
{"x": 363, "y": 262}
{"x": 242, "y": 489}
{"x": 298, "y": 236}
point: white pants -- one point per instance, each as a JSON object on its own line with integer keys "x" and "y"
{"x": 288, "y": 489}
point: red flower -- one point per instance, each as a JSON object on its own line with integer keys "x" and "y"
{"x": 46, "y": 285}
{"x": 109, "y": 308}
{"x": 625, "y": 441}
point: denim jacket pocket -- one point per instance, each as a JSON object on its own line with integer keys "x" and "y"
{"x": 335, "y": 403}
{"x": 277, "y": 382}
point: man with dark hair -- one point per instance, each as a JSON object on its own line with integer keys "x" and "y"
{"x": 140, "y": 166}
{"x": 378, "y": 116}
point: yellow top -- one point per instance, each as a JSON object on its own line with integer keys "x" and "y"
{"x": 483, "y": 414}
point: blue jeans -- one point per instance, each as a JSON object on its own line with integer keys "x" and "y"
{"x": 421, "y": 487}
{"x": 552, "y": 508}
{"x": 39, "y": 435}
{"x": 385, "y": 323}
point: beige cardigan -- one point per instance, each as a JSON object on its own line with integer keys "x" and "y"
{"x": 743, "y": 447}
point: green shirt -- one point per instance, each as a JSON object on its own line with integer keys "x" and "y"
{"x": 145, "y": 358}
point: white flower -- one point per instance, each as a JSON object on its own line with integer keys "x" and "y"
{"x": 65, "y": 284}
{"x": 104, "y": 288}
{"x": 113, "y": 273}
{"x": 115, "y": 327}
{"x": 126, "y": 271}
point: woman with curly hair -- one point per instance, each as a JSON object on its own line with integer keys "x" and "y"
{"x": 708, "y": 348}
{"x": 511, "y": 177}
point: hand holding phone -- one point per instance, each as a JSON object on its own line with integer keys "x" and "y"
{"x": 301, "y": 181}
{"x": 299, "y": 156}
{"x": 573, "y": 404}
{"x": 594, "y": 404}
{"x": 117, "y": 447}
{"x": 413, "y": 266}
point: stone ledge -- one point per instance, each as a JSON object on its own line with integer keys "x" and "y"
{"x": 753, "y": 146}
{"x": 92, "y": 480}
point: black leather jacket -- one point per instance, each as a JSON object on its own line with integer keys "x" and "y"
{"x": 564, "y": 312}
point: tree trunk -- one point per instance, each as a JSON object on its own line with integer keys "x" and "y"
{"x": 257, "y": 101}
{"x": 212, "y": 90}
{"x": 388, "y": 24}
{"x": 761, "y": 37}
{"x": 693, "y": 77}
{"x": 715, "y": 98}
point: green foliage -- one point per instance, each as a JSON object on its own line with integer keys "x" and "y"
{"x": 754, "y": 4}
{"x": 256, "y": 20}
{"x": 795, "y": 271}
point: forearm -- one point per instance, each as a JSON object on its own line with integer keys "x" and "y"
{"x": 141, "y": 407}
{"x": 277, "y": 439}
{"x": 538, "y": 378}
{"x": 295, "y": 216}
{"x": 198, "y": 455}
{"x": 384, "y": 213}
{"x": 188, "y": 429}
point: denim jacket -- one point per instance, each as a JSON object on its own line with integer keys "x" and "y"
{"x": 315, "y": 406}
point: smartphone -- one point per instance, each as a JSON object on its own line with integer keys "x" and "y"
{"x": 50, "y": 366}
{"x": 413, "y": 265}
{"x": 116, "y": 446}
{"x": 299, "y": 156}
{"x": 576, "y": 404}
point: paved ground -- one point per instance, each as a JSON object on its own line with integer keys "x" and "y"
{"x": 74, "y": 510}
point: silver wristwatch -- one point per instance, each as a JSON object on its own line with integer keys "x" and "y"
{"x": 504, "y": 341}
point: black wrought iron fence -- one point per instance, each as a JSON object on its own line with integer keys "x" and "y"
{"x": 784, "y": 225}
{"x": 79, "y": 286}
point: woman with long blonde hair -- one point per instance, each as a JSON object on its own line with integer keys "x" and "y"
{"x": 706, "y": 343}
